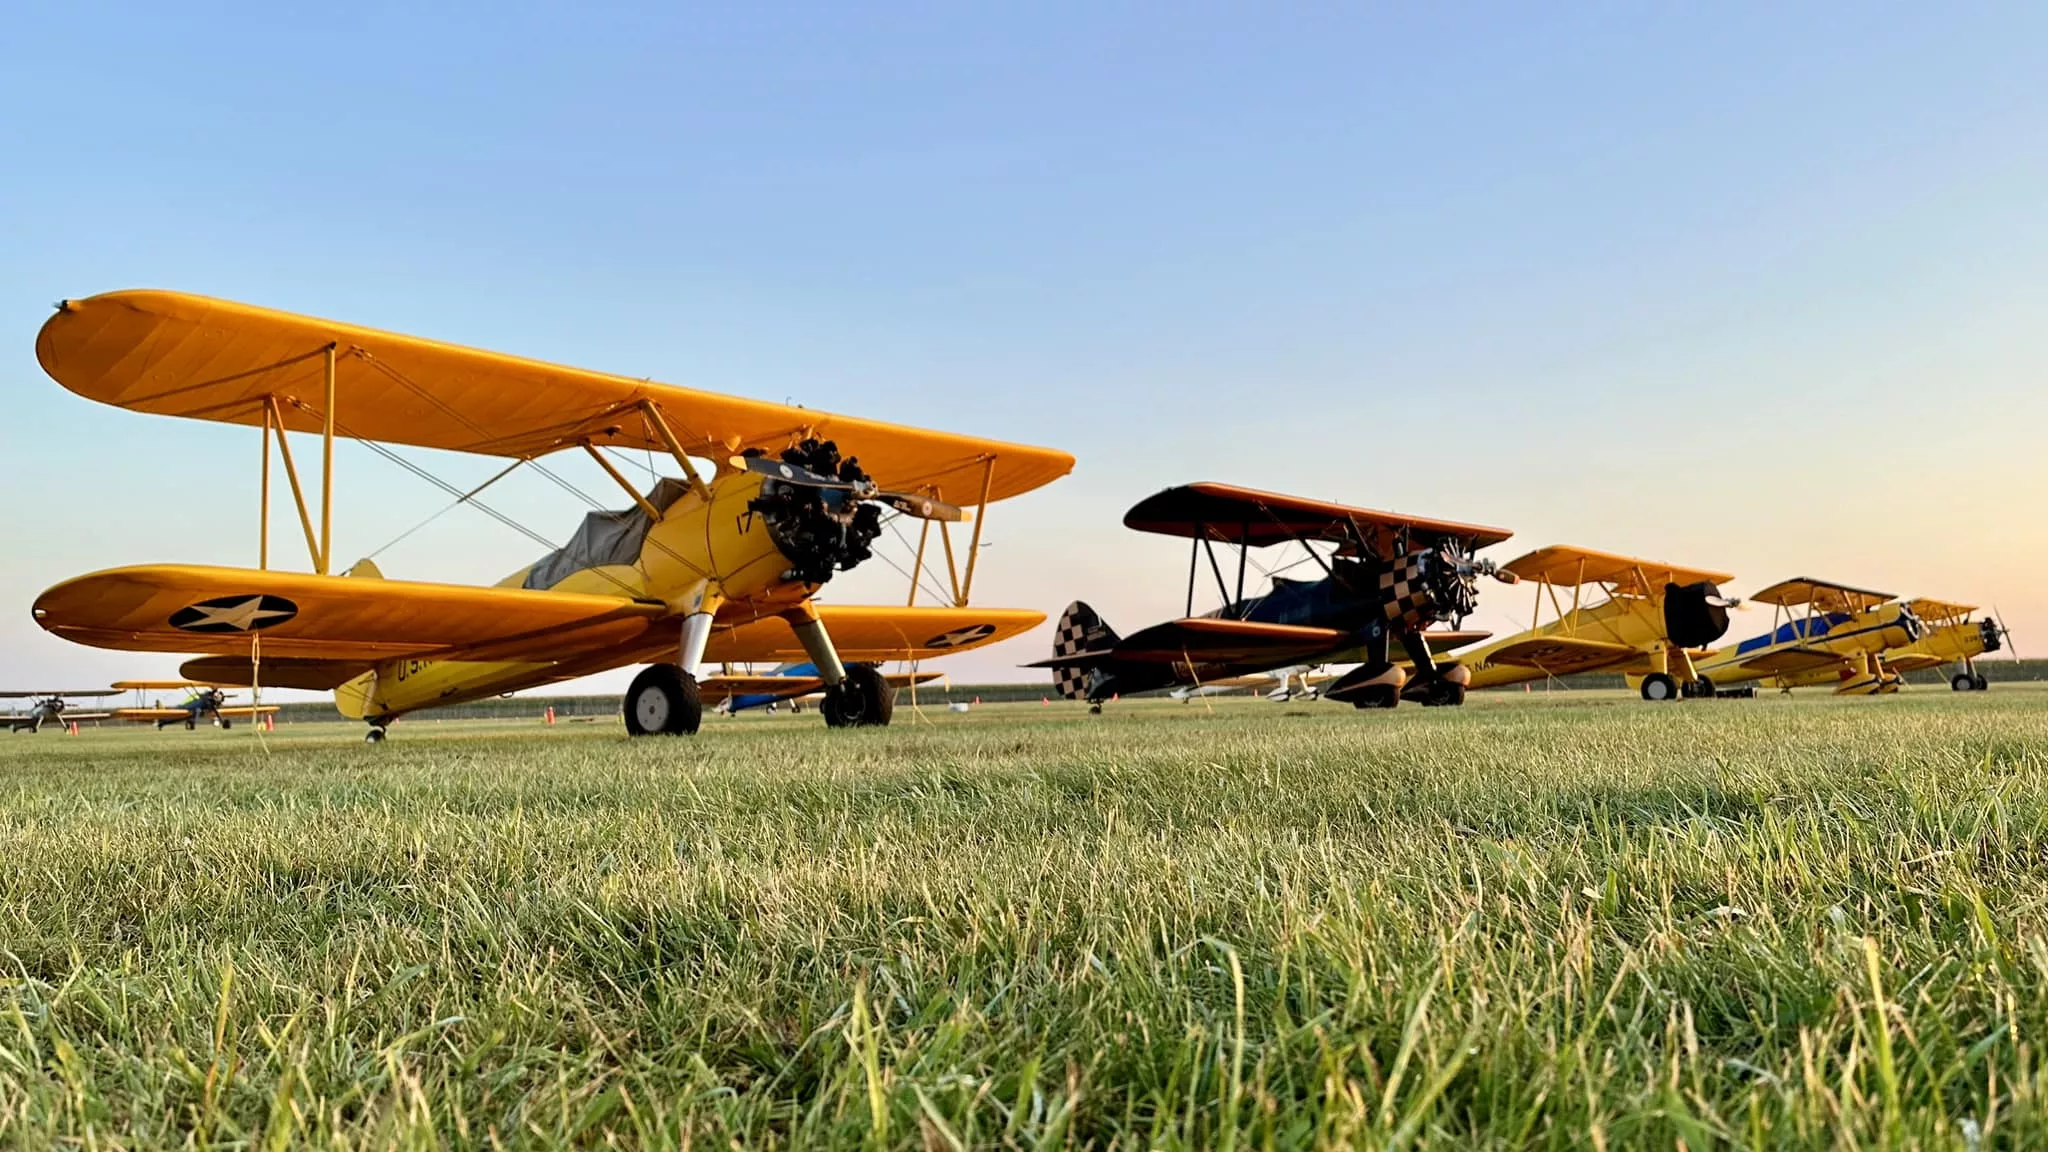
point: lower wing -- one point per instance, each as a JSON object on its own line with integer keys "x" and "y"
{"x": 1786, "y": 661}
{"x": 869, "y": 634}
{"x": 1564, "y": 655}
{"x": 225, "y": 611}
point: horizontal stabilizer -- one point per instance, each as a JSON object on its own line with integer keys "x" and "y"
{"x": 275, "y": 672}
{"x": 1209, "y": 640}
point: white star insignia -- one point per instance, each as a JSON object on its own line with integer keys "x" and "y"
{"x": 241, "y": 617}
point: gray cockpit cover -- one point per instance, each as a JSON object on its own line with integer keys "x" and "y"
{"x": 603, "y": 538}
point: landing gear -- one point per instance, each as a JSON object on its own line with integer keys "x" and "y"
{"x": 1658, "y": 686}
{"x": 1966, "y": 682}
{"x": 1700, "y": 689}
{"x": 225, "y": 724}
{"x": 191, "y": 725}
{"x": 1095, "y": 709}
{"x": 864, "y": 699}
{"x": 663, "y": 701}
{"x": 374, "y": 736}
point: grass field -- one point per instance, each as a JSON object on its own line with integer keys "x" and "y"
{"x": 1532, "y": 922}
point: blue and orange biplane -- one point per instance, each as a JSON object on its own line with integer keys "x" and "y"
{"x": 1385, "y": 577}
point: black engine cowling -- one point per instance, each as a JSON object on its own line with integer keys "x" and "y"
{"x": 1694, "y": 614}
{"x": 819, "y": 530}
{"x": 1988, "y": 629}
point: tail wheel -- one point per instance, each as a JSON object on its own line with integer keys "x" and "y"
{"x": 1658, "y": 686}
{"x": 226, "y": 724}
{"x": 374, "y": 736}
{"x": 663, "y": 701}
{"x": 864, "y": 699}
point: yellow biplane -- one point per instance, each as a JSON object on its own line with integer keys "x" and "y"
{"x": 721, "y": 567}
{"x": 202, "y": 701}
{"x": 1644, "y": 618}
{"x": 1818, "y": 625}
{"x": 1949, "y": 637}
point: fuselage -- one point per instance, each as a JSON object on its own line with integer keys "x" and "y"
{"x": 694, "y": 543}
{"x": 1630, "y": 620}
{"x": 1945, "y": 644}
{"x": 1847, "y": 634}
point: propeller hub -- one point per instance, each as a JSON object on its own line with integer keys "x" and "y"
{"x": 819, "y": 529}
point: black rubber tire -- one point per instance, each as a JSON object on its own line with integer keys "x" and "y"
{"x": 1961, "y": 682}
{"x": 863, "y": 700}
{"x": 1658, "y": 686}
{"x": 1702, "y": 689}
{"x": 226, "y": 724}
{"x": 663, "y": 701}
{"x": 1443, "y": 694}
{"x": 1095, "y": 709}
{"x": 374, "y": 736}
{"x": 191, "y": 724}
{"x": 1982, "y": 683}
{"x": 1376, "y": 696}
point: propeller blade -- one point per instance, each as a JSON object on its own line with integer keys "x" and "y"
{"x": 789, "y": 473}
{"x": 922, "y": 507}
{"x": 2005, "y": 632}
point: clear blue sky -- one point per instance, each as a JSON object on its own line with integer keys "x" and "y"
{"x": 1732, "y": 285}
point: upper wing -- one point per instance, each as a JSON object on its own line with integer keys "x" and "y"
{"x": 1566, "y": 566}
{"x": 1785, "y": 661}
{"x": 1563, "y": 655}
{"x": 1938, "y": 611}
{"x": 184, "y": 608}
{"x": 873, "y": 634}
{"x": 1209, "y": 640}
{"x": 184, "y": 355}
{"x": 1824, "y": 595}
{"x": 88, "y": 692}
{"x": 1234, "y": 515}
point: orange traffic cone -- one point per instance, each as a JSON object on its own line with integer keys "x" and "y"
{"x": 73, "y": 729}
{"x": 1044, "y": 702}
{"x": 551, "y": 714}
{"x": 269, "y": 722}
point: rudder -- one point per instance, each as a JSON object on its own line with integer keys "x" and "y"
{"x": 1080, "y": 631}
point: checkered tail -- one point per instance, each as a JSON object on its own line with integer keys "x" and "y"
{"x": 1080, "y": 630}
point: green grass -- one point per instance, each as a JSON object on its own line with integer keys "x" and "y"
{"x": 1533, "y": 922}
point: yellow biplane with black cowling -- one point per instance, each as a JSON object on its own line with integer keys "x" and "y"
{"x": 1818, "y": 625}
{"x": 1949, "y": 636}
{"x": 1644, "y": 618}
{"x": 718, "y": 567}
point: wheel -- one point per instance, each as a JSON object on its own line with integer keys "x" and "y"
{"x": 374, "y": 736}
{"x": 1658, "y": 686}
{"x": 1980, "y": 682}
{"x": 663, "y": 700}
{"x": 190, "y": 725}
{"x": 864, "y": 699}
{"x": 226, "y": 724}
{"x": 1095, "y": 709}
{"x": 1701, "y": 688}
{"x": 1376, "y": 696}
{"x": 1443, "y": 694}
{"x": 1961, "y": 682}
